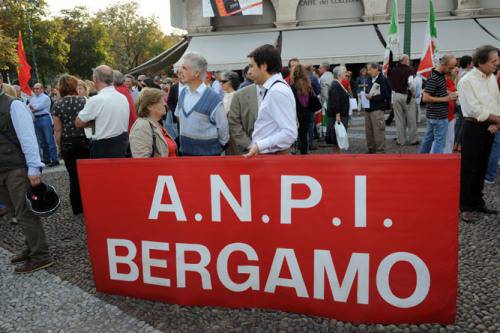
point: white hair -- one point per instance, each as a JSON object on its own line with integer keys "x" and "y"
{"x": 338, "y": 71}
{"x": 198, "y": 63}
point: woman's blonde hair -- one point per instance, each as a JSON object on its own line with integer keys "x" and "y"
{"x": 84, "y": 86}
{"x": 147, "y": 97}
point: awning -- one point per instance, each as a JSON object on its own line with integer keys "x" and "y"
{"x": 229, "y": 52}
{"x": 162, "y": 61}
{"x": 492, "y": 25}
{"x": 457, "y": 37}
{"x": 356, "y": 44}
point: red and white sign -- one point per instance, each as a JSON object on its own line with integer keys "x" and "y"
{"x": 369, "y": 239}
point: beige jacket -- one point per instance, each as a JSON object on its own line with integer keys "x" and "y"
{"x": 141, "y": 139}
{"x": 242, "y": 116}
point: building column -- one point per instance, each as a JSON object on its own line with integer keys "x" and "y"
{"x": 196, "y": 23}
{"x": 286, "y": 13}
{"x": 375, "y": 10}
{"x": 467, "y": 8}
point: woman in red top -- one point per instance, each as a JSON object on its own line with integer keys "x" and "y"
{"x": 147, "y": 137}
{"x": 450, "y": 136}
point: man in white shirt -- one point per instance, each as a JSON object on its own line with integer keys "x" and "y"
{"x": 480, "y": 101}
{"x": 110, "y": 112}
{"x": 275, "y": 129}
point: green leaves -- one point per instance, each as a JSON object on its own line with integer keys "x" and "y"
{"x": 77, "y": 40}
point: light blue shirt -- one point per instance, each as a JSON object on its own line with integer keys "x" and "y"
{"x": 41, "y": 104}
{"x": 22, "y": 120}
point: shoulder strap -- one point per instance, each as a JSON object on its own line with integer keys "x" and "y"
{"x": 154, "y": 139}
{"x": 278, "y": 81}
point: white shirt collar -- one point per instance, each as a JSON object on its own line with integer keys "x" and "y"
{"x": 271, "y": 80}
{"x": 200, "y": 90}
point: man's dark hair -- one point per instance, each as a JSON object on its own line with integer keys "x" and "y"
{"x": 245, "y": 71}
{"x": 465, "y": 61}
{"x": 285, "y": 71}
{"x": 374, "y": 65}
{"x": 269, "y": 55}
{"x": 482, "y": 54}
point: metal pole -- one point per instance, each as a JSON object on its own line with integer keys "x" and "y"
{"x": 407, "y": 42}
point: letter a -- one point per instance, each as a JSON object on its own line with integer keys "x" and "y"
{"x": 175, "y": 206}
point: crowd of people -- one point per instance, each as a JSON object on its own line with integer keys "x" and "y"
{"x": 272, "y": 110}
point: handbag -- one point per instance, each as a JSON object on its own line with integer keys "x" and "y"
{"x": 341, "y": 134}
{"x": 314, "y": 103}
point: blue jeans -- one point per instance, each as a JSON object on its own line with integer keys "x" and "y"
{"x": 435, "y": 136}
{"x": 491, "y": 172}
{"x": 45, "y": 137}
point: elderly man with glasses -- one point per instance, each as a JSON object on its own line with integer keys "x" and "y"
{"x": 40, "y": 105}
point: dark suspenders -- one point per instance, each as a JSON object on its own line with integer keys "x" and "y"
{"x": 279, "y": 81}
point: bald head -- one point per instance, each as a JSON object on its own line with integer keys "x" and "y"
{"x": 404, "y": 59}
{"x": 447, "y": 64}
{"x": 103, "y": 75}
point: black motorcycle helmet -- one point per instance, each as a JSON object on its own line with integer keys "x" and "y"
{"x": 43, "y": 200}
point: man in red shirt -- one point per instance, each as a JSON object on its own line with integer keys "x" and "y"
{"x": 119, "y": 83}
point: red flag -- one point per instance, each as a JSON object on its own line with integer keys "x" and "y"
{"x": 430, "y": 56}
{"x": 24, "y": 69}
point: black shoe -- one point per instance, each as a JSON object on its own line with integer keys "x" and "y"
{"x": 3, "y": 211}
{"x": 18, "y": 258}
{"x": 416, "y": 143}
{"x": 53, "y": 164}
{"x": 31, "y": 266}
{"x": 313, "y": 148}
{"x": 486, "y": 210}
{"x": 371, "y": 152}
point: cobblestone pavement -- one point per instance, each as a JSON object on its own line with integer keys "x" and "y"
{"x": 63, "y": 298}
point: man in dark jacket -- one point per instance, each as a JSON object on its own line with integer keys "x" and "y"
{"x": 20, "y": 168}
{"x": 379, "y": 95}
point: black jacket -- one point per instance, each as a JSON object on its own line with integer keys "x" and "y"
{"x": 173, "y": 96}
{"x": 338, "y": 101}
{"x": 382, "y": 101}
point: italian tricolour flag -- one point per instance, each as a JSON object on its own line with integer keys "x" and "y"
{"x": 392, "y": 38}
{"x": 430, "y": 55}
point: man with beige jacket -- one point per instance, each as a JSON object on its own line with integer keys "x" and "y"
{"x": 242, "y": 116}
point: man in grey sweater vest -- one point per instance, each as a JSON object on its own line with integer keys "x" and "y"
{"x": 204, "y": 129}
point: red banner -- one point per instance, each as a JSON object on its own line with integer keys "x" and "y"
{"x": 363, "y": 238}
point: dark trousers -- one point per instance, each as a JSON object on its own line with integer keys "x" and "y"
{"x": 74, "y": 149}
{"x": 476, "y": 147}
{"x": 13, "y": 187}
{"x": 115, "y": 147}
{"x": 304, "y": 124}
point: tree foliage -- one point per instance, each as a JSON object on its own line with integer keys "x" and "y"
{"x": 8, "y": 53}
{"x": 75, "y": 41}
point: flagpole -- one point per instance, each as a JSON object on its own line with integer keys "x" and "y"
{"x": 32, "y": 45}
{"x": 407, "y": 42}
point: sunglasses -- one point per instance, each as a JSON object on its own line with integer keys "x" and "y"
{"x": 224, "y": 81}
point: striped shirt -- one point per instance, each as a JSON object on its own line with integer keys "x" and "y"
{"x": 436, "y": 87}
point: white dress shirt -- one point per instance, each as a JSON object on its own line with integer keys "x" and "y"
{"x": 479, "y": 95}
{"x": 276, "y": 126}
{"x": 111, "y": 112}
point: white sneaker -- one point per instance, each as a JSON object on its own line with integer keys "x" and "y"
{"x": 488, "y": 182}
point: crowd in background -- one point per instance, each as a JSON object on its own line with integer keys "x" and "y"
{"x": 270, "y": 109}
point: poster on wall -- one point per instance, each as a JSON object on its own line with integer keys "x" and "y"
{"x": 217, "y": 8}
